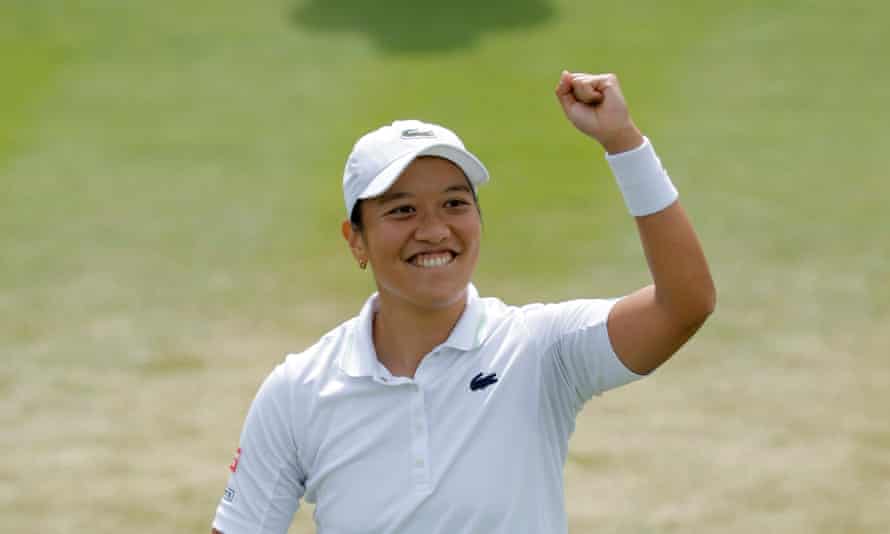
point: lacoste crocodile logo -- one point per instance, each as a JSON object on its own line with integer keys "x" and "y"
{"x": 417, "y": 133}
{"x": 482, "y": 381}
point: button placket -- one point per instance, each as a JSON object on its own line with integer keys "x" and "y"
{"x": 420, "y": 440}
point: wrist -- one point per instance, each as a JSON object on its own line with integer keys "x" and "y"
{"x": 644, "y": 183}
{"x": 627, "y": 138}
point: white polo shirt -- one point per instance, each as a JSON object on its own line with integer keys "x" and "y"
{"x": 474, "y": 443}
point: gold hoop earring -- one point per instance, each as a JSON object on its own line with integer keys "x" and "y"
{"x": 363, "y": 264}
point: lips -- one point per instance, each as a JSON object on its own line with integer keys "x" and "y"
{"x": 433, "y": 259}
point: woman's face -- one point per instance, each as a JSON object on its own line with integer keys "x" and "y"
{"x": 422, "y": 236}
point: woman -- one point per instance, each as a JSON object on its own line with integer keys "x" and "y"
{"x": 435, "y": 410}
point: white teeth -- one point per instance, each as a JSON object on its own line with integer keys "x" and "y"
{"x": 436, "y": 260}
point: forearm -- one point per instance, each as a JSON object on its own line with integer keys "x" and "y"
{"x": 683, "y": 283}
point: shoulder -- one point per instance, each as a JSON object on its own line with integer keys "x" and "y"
{"x": 494, "y": 315}
{"x": 590, "y": 310}
{"x": 542, "y": 324}
{"x": 306, "y": 370}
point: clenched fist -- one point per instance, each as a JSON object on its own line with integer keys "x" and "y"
{"x": 595, "y": 105}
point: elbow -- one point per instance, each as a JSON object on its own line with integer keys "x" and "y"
{"x": 704, "y": 306}
{"x": 695, "y": 308}
{"x": 709, "y": 303}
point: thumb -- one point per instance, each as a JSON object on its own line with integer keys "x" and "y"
{"x": 564, "y": 92}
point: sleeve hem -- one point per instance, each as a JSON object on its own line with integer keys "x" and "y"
{"x": 614, "y": 367}
{"x": 227, "y": 525}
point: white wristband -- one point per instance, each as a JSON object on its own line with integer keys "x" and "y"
{"x": 644, "y": 183}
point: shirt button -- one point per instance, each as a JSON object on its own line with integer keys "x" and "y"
{"x": 419, "y": 462}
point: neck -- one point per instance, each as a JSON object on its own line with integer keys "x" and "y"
{"x": 404, "y": 333}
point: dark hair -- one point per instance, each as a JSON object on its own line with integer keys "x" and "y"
{"x": 356, "y": 216}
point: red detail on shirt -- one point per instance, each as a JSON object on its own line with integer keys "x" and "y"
{"x": 235, "y": 459}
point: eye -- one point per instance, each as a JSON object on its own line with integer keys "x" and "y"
{"x": 401, "y": 210}
{"x": 456, "y": 203}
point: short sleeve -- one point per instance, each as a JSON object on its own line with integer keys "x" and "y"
{"x": 578, "y": 360}
{"x": 267, "y": 480}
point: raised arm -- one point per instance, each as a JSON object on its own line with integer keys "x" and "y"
{"x": 648, "y": 326}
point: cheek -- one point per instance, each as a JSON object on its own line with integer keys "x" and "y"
{"x": 471, "y": 235}
{"x": 384, "y": 242}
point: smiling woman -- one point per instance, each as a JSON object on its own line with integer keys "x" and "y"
{"x": 421, "y": 238}
{"x": 387, "y": 422}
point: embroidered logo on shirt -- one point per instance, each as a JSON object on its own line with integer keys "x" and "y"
{"x": 229, "y": 495}
{"x": 234, "y": 466}
{"x": 482, "y": 381}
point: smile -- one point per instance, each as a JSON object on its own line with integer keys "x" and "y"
{"x": 432, "y": 260}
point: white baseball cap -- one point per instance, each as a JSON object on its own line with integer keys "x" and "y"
{"x": 380, "y": 157}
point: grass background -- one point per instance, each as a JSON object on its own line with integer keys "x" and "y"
{"x": 169, "y": 228}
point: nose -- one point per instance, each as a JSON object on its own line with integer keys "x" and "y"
{"x": 432, "y": 229}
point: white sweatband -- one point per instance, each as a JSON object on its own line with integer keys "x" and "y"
{"x": 644, "y": 183}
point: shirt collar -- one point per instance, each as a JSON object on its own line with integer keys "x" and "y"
{"x": 466, "y": 334}
{"x": 360, "y": 358}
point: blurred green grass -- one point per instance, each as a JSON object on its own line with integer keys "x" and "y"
{"x": 169, "y": 227}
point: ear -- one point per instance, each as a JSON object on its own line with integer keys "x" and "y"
{"x": 355, "y": 240}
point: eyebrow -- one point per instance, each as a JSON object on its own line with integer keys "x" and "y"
{"x": 462, "y": 187}
{"x": 389, "y": 197}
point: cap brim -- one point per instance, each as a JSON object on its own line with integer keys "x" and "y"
{"x": 468, "y": 163}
